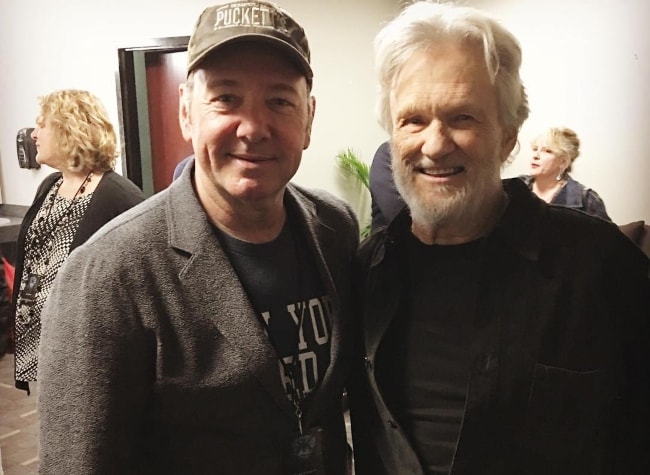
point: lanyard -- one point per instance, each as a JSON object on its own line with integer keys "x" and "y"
{"x": 42, "y": 232}
{"x": 292, "y": 369}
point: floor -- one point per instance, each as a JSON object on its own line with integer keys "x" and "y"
{"x": 18, "y": 424}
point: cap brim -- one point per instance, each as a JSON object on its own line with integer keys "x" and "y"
{"x": 295, "y": 55}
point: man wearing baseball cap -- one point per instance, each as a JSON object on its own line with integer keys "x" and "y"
{"x": 203, "y": 331}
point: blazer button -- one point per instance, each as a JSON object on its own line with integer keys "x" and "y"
{"x": 484, "y": 361}
{"x": 367, "y": 363}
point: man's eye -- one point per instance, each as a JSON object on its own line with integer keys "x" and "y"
{"x": 281, "y": 102}
{"x": 412, "y": 120}
{"x": 224, "y": 101}
{"x": 463, "y": 117}
{"x": 224, "y": 98}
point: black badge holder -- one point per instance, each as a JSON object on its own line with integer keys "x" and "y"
{"x": 306, "y": 454}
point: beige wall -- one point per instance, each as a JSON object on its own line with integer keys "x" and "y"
{"x": 73, "y": 43}
{"x": 586, "y": 65}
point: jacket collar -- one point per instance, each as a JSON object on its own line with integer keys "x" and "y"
{"x": 570, "y": 196}
{"x": 189, "y": 224}
{"x": 519, "y": 227}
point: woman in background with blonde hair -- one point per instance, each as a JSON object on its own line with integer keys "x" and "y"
{"x": 73, "y": 135}
{"x": 554, "y": 151}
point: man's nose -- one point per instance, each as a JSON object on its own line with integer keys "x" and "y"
{"x": 437, "y": 141}
{"x": 253, "y": 125}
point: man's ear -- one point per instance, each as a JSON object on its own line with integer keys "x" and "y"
{"x": 310, "y": 121}
{"x": 184, "y": 112}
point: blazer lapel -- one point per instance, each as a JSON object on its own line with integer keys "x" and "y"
{"x": 321, "y": 241}
{"x": 217, "y": 291}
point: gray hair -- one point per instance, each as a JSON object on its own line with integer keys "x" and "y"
{"x": 425, "y": 24}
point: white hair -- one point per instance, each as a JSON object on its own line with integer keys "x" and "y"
{"x": 426, "y": 24}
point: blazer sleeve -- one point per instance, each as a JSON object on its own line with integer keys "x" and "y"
{"x": 95, "y": 371}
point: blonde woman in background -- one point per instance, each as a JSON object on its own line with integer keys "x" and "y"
{"x": 74, "y": 136}
{"x": 554, "y": 151}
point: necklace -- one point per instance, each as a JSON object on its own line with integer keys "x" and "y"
{"x": 39, "y": 251}
{"x": 79, "y": 191}
{"x": 47, "y": 232}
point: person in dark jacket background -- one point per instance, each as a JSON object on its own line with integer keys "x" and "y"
{"x": 73, "y": 135}
{"x": 497, "y": 335}
{"x": 554, "y": 152}
{"x": 386, "y": 201}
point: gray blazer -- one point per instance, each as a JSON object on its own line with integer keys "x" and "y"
{"x": 153, "y": 360}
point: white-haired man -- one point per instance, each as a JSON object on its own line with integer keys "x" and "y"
{"x": 497, "y": 334}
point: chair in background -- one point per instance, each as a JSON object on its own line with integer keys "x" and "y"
{"x": 639, "y": 232}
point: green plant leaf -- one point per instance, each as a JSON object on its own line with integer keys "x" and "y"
{"x": 354, "y": 167}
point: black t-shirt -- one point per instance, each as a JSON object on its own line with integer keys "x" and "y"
{"x": 283, "y": 284}
{"x": 423, "y": 363}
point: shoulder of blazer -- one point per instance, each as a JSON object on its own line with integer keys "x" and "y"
{"x": 322, "y": 204}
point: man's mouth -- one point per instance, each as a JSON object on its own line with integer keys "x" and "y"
{"x": 249, "y": 157}
{"x": 441, "y": 172}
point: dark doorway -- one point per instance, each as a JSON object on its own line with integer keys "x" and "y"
{"x": 148, "y": 81}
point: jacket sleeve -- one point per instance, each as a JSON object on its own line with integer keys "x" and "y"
{"x": 386, "y": 200}
{"x": 594, "y": 205}
{"x": 364, "y": 416}
{"x": 630, "y": 305}
{"x": 94, "y": 371}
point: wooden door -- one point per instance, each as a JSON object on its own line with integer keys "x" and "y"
{"x": 149, "y": 76}
{"x": 165, "y": 71}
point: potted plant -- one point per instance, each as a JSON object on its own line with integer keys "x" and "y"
{"x": 356, "y": 171}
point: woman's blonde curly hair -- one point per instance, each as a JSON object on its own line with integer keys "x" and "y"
{"x": 85, "y": 135}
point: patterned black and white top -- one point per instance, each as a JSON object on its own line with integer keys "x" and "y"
{"x": 47, "y": 245}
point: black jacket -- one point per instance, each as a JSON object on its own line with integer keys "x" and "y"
{"x": 560, "y": 382}
{"x": 114, "y": 195}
